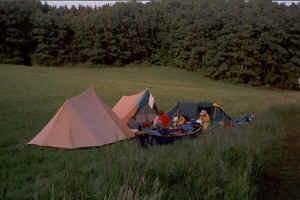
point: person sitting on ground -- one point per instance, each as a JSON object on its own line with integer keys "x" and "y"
{"x": 175, "y": 120}
{"x": 165, "y": 119}
{"x": 204, "y": 119}
{"x": 181, "y": 120}
{"x": 162, "y": 120}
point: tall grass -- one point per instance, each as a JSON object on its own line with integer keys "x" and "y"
{"x": 224, "y": 165}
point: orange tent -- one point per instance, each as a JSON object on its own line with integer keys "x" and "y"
{"x": 82, "y": 121}
{"x": 140, "y": 106}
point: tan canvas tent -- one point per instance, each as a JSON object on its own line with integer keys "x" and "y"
{"x": 139, "y": 108}
{"x": 82, "y": 121}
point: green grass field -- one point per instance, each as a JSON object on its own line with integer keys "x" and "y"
{"x": 224, "y": 165}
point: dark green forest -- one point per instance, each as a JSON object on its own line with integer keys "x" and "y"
{"x": 256, "y": 43}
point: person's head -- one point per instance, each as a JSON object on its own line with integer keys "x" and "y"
{"x": 203, "y": 112}
{"x": 160, "y": 112}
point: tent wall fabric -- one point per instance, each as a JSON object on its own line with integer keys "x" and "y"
{"x": 187, "y": 109}
{"x": 192, "y": 111}
{"x": 140, "y": 106}
{"x": 82, "y": 121}
{"x": 126, "y": 107}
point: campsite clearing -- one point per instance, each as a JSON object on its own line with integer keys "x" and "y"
{"x": 31, "y": 95}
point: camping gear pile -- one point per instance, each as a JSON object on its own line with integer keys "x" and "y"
{"x": 86, "y": 121}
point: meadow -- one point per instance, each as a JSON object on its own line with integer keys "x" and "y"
{"x": 227, "y": 164}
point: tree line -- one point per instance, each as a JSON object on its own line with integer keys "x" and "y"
{"x": 257, "y": 42}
